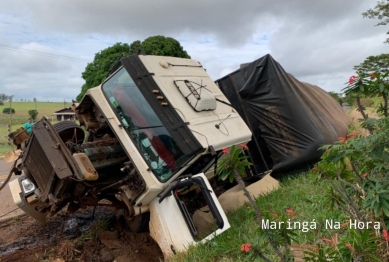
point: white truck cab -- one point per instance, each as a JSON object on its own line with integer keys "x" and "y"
{"x": 148, "y": 141}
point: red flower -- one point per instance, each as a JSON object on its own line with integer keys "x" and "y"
{"x": 245, "y": 147}
{"x": 386, "y": 235}
{"x": 365, "y": 175}
{"x": 352, "y": 80}
{"x": 274, "y": 215}
{"x": 355, "y": 133}
{"x": 314, "y": 170}
{"x": 245, "y": 247}
{"x": 327, "y": 240}
{"x": 343, "y": 139}
{"x": 372, "y": 75}
{"x": 225, "y": 150}
{"x": 350, "y": 247}
{"x": 290, "y": 212}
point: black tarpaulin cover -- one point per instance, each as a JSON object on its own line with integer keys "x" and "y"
{"x": 289, "y": 119}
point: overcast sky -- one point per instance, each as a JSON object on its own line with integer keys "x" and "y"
{"x": 45, "y": 45}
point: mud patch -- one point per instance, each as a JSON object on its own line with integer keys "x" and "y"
{"x": 77, "y": 237}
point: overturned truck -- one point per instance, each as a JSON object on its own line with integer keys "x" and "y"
{"x": 148, "y": 143}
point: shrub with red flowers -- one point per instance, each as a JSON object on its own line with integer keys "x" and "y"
{"x": 232, "y": 167}
{"x": 369, "y": 85}
{"x": 359, "y": 245}
{"x": 234, "y": 159}
{"x": 358, "y": 170}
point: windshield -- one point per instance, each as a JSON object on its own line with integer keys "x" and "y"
{"x": 144, "y": 127}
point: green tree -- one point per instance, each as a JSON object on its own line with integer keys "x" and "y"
{"x": 96, "y": 71}
{"x": 135, "y": 47}
{"x": 381, "y": 12}
{"x": 159, "y": 45}
{"x": 33, "y": 114}
{"x": 4, "y": 97}
{"x": 374, "y": 64}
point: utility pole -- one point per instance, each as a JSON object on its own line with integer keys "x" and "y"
{"x": 10, "y": 113}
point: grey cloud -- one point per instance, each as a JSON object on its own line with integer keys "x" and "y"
{"x": 144, "y": 19}
{"x": 26, "y": 76}
{"x": 232, "y": 21}
{"x": 317, "y": 41}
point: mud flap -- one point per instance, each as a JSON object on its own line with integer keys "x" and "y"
{"x": 172, "y": 226}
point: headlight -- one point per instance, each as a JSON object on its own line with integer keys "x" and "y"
{"x": 27, "y": 186}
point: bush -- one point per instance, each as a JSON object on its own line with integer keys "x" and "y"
{"x": 357, "y": 169}
{"x": 33, "y": 114}
{"x": 8, "y": 110}
{"x": 1, "y": 103}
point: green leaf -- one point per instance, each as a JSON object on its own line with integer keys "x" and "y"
{"x": 377, "y": 208}
{"x": 386, "y": 211}
{"x": 381, "y": 87}
{"x": 385, "y": 207}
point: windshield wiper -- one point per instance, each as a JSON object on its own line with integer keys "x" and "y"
{"x": 145, "y": 127}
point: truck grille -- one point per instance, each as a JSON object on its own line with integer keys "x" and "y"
{"x": 48, "y": 161}
{"x": 39, "y": 166}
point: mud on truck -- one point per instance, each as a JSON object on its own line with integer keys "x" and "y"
{"x": 147, "y": 144}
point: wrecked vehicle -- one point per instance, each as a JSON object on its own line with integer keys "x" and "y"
{"x": 148, "y": 143}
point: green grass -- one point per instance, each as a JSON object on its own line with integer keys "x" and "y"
{"x": 302, "y": 193}
{"x": 20, "y": 117}
{"x": 4, "y": 149}
{"x": 22, "y": 108}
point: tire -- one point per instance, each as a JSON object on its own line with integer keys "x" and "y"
{"x": 69, "y": 131}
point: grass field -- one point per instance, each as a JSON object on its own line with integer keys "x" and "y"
{"x": 22, "y": 108}
{"x": 20, "y": 117}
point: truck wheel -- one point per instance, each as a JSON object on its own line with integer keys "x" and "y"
{"x": 69, "y": 131}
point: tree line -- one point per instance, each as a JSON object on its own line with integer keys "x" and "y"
{"x": 5, "y": 98}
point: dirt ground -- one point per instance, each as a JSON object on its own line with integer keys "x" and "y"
{"x": 77, "y": 237}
